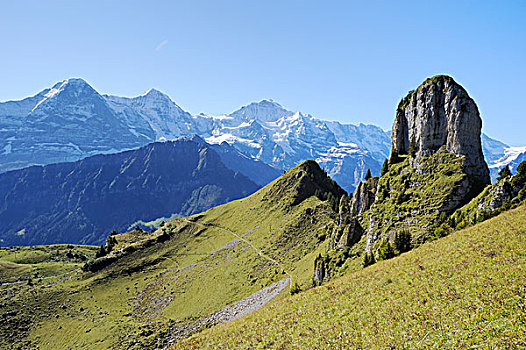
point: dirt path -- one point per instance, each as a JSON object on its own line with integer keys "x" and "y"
{"x": 260, "y": 253}
{"x": 232, "y": 312}
{"x": 247, "y": 305}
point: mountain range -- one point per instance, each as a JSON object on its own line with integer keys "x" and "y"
{"x": 80, "y": 202}
{"x": 71, "y": 120}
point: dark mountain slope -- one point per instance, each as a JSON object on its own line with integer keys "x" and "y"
{"x": 82, "y": 202}
{"x": 257, "y": 171}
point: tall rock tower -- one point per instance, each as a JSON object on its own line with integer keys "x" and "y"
{"x": 436, "y": 166}
{"x": 440, "y": 115}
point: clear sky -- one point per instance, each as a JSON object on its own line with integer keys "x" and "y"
{"x": 340, "y": 60}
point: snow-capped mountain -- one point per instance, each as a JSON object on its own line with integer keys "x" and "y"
{"x": 267, "y": 131}
{"x": 66, "y": 122}
{"x": 71, "y": 121}
{"x": 499, "y": 154}
{"x": 166, "y": 119}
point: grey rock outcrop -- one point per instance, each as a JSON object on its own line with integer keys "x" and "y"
{"x": 498, "y": 195}
{"x": 505, "y": 192}
{"x": 440, "y": 115}
{"x": 364, "y": 196}
{"x": 347, "y": 230}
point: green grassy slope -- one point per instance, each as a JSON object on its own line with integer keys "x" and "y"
{"x": 413, "y": 199}
{"x": 154, "y": 290}
{"x": 30, "y": 287}
{"x": 409, "y": 198}
{"x": 41, "y": 262}
{"x": 467, "y": 290}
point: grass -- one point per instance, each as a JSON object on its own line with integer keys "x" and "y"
{"x": 464, "y": 290}
{"x": 21, "y": 263}
{"x": 412, "y": 200}
{"x": 157, "y": 288}
{"x": 467, "y": 290}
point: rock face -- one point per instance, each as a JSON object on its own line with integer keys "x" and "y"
{"x": 511, "y": 190}
{"x": 436, "y": 165}
{"x": 364, "y": 196}
{"x": 440, "y": 115}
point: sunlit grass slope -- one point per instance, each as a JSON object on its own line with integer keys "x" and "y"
{"x": 210, "y": 260}
{"x": 41, "y": 262}
{"x": 467, "y": 290}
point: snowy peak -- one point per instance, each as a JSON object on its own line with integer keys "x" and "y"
{"x": 71, "y": 83}
{"x": 493, "y": 149}
{"x": 164, "y": 117}
{"x": 73, "y": 87}
{"x": 264, "y": 111}
{"x": 71, "y": 96}
{"x": 70, "y": 90}
{"x": 152, "y": 99}
{"x": 154, "y": 94}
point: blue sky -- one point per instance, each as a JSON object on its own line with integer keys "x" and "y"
{"x": 338, "y": 60}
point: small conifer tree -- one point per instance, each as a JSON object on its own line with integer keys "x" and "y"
{"x": 101, "y": 252}
{"x": 412, "y": 147}
{"x": 504, "y": 173}
{"x": 402, "y": 241}
{"x": 368, "y": 174}
{"x": 386, "y": 251}
{"x": 385, "y": 168}
{"x": 519, "y": 180}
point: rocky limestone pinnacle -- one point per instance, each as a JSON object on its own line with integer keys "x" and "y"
{"x": 440, "y": 115}
{"x": 364, "y": 196}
